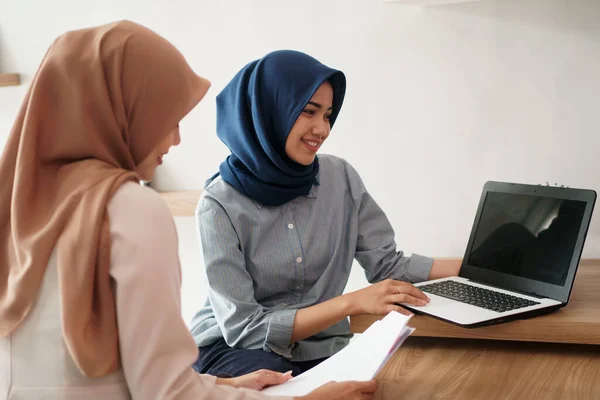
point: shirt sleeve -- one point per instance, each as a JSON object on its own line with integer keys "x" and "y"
{"x": 376, "y": 248}
{"x": 157, "y": 350}
{"x": 243, "y": 321}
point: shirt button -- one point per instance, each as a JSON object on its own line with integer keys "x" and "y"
{"x": 290, "y": 226}
{"x": 299, "y": 260}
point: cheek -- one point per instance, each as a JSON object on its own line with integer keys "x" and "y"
{"x": 297, "y": 132}
{"x": 165, "y": 145}
{"x": 160, "y": 151}
{"x": 292, "y": 138}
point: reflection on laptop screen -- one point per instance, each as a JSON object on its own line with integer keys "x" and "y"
{"x": 528, "y": 236}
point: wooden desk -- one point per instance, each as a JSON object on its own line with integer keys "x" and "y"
{"x": 578, "y": 322}
{"x": 468, "y": 369}
{"x": 526, "y": 359}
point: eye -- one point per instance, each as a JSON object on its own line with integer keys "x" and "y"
{"x": 327, "y": 117}
{"x": 309, "y": 111}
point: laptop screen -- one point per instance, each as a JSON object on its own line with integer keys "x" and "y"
{"x": 527, "y": 236}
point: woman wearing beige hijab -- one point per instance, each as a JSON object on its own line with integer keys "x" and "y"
{"x": 89, "y": 271}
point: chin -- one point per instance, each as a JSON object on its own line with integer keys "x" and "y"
{"x": 306, "y": 163}
{"x": 307, "y": 159}
{"x": 147, "y": 177}
{"x": 302, "y": 158}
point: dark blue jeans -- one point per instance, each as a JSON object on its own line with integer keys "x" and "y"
{"x": 218, "y": 359}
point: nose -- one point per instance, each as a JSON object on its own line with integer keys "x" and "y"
{"x": 176, "y": 137}
{"x": 321, "y": 128}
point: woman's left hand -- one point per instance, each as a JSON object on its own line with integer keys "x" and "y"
{"x": 257, "y": 380}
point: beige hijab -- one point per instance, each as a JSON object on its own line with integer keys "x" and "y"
{"x": 101, "y": 101}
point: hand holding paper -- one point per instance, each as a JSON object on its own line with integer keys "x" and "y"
{"x": 361, "y": 360}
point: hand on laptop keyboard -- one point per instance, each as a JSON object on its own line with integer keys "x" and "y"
{"x": 383, "y": 297}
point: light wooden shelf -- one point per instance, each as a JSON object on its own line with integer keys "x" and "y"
{"x": 10, "y": 79}
{"x": 428, "y": 3}
{"x": 182, "y": 203}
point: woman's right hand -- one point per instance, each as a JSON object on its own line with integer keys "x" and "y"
{"x": 350, "y": 390}
{"x": 384, "y": 296}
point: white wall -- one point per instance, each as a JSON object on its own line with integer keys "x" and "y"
{"x": 439, "y": 99}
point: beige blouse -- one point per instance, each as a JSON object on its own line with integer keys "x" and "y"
{"x": 157, "y": 350}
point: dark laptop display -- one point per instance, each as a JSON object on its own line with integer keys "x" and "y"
{"x": 527, "y": 236}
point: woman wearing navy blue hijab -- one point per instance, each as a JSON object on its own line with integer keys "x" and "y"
{"x": 255, "y": 116}
{"x": 281, "y": 227}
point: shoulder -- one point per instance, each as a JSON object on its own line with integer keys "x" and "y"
{"x": 138, "y": 201}
{"x": 218, "y": 188}
{"x": 329, "y": 161}
{"x": 332, "y": 164}
{"x": 337, "y": 169}
{"x": 138, "y": 210}
{"x": 219, "y": 196}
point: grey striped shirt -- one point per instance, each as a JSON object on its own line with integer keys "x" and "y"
{"x": 264, "y": 263}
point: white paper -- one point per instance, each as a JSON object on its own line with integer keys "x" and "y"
{"x": 361, "y": 360}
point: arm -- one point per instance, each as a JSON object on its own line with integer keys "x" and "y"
{"x": 443, "y": 268}
{"x": 376, "y": 249}
{"x": 156, "y": 348}
{"x": 376, "y": 252}
{"x": 312, "y": 320}
{"x": 380, "y": 298}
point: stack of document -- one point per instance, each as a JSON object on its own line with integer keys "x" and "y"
{"x": 361, "y": 360}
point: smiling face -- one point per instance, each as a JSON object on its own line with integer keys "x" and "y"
{"x": 312, "y": 127}
{"x": 147, "y": 167}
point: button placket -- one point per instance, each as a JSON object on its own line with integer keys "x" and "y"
{"x": 296, "y": 249}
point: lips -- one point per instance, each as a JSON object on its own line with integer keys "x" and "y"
{"x": 312, "y": 145}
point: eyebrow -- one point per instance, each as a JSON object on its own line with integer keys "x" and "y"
{"x": 312, "y": 103}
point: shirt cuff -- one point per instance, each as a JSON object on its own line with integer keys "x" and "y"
{"x": 419, "y": 268}
{"x": 279, "y": 333}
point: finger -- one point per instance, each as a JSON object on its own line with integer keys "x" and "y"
{"x": 282, "y": 377}
{"x": 393, "y": 307}
{"x": 404, "y": 287}
{"x": 266, "y": 372}
{"x": 268, "y": 377}
{"x": 368, "y": 386}
{"x": 271, "y": 380}
{"x": 271, "y": 372}
{"x": 365, "y": 387}
{"x": 406, "y": 299}
{"x": 330, "y": 383}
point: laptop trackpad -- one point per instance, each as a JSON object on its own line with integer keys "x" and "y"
{"x": 455, "y": 310}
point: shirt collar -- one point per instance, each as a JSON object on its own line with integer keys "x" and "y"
{"x": 312, "y": 194}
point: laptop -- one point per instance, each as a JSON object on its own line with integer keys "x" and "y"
{"x": 521, "y": 258}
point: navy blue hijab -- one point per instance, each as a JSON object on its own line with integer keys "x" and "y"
{"x": 255, "y": 113}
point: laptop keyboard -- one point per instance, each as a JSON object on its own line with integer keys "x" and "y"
{"x": 477, "y": 296}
